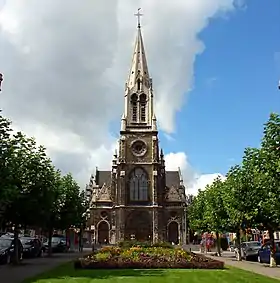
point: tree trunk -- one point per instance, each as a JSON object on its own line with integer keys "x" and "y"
{"x": 16, "y": 258}
{"x": 218, "y": 244}
{"x": 50, "y": 233}
{"x": 272, "y": 249}
{"x": 238, "y": 240}
{"x": 81, "y": 239}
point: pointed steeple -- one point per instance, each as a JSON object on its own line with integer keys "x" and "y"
{"x": 139, "y": 68}
{"x": 138, "y": 97}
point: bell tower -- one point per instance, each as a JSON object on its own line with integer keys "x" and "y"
{"x": 139, "y": 190}
{"x": 137, "y": 198}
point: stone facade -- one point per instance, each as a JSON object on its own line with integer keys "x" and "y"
{"x": 137, "y": 198}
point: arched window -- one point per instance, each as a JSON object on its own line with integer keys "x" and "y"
{"x": 134, "y": 107}
{"x": 138, "y": 84}
{"x": 138, "y": 185}
{"x": 143, "y": 107}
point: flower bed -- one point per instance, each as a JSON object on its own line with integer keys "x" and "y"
{"x": 146, "y": 257}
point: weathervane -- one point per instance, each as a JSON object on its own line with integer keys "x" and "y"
{"x": 138, "y": 15}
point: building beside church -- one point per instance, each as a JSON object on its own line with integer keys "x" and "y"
{"x": 137, "y": 198}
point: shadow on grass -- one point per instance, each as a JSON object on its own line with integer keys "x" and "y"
{"x": 67, "y": 270}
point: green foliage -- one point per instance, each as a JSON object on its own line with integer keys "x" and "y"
{"x": 6, "y": 191}
{"x": 134, "y": 243}
{"x": 32, "y": 191}
{"x": 215, "y": 214}
{"x": 196, "y": 217}
{"x": 249, "y": 197}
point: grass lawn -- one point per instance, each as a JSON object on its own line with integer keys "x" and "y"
{"x": 67, "y": 274}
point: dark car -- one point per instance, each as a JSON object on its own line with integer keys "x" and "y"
{"x": 7, "y": 250}
{"x": 59, "y": 244}
{"x": 32, "y": 247}
{"x": 264, "y": 252}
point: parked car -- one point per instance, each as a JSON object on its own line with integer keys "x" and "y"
{"x": 7, "y": 251}
{"x": 59, "y": 244}
{"x": 32, "y": 247}
{"x": 249, "y": 250}
{"x": 264, "y": 252}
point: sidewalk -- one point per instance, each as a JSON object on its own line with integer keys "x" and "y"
{"x": 34, "y": 266}
{"x": 259, "y": 268}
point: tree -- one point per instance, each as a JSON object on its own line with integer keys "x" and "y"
{"x": 32, "y": 191}
{"x": 26, "y": 166}
{"x": 250, "y": 193}
{"x": 196, "y": 212}
{"x": 215, "y": 213}
{"x": 71, "y": 203}
{"x": 5, "y": 188}
{"x": 239, "y": 200}
{"x": 267, "y": 166}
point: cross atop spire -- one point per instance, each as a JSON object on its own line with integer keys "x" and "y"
{"x": 138, "y": 15}
{"x": 139, "y": 66}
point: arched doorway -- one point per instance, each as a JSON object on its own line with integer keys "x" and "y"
{"x": 173, "y": 232}
{"x": 103, "y": 232}
{"x": 138, "y": 226}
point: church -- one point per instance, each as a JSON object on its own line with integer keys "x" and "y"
{"x": 137, "y": 199}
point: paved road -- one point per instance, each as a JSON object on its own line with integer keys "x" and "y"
{"x": 34, "y": 266}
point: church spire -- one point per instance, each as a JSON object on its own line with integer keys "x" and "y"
{"x": 139, "y": 68}
{"x": 139, "y": 109}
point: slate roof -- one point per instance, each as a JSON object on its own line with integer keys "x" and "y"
{"x": 103, "y": 177}
{"x": 172, "y": 178}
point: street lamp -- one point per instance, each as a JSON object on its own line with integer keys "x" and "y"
{"x": 85, "y": 216}
{"x": 1, "y": 79}
{"x": 279, "y": 85}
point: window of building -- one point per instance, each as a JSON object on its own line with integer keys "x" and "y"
{"x": 143, "y": 107}
{"x": 138, "y": 185}
{"x": 134, "y": 107}
{"x": 138, "y": 84}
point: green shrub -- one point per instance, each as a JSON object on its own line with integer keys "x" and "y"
{"x": 146, "y": 257}
{"x": 133, "y": 243}
{"x": 103, "y": 256}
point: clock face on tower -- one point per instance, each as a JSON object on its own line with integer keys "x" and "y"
{"x": 139, "y": 148}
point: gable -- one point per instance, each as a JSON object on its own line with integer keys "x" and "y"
{"x": 173, "y": 195}
{"x": 104, "y": 193}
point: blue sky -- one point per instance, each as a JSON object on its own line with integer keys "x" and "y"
{"x": 235, "y": 88}
{"x": 235, "y": 85}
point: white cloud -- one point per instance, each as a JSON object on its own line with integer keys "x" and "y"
{"x": 201, "y": 181}
{"x": 65, "y": 65}
{"x": 193, "y": 181}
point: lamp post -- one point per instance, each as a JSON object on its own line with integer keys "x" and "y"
{"x": 86, "y": 216}
{"x": 1, "y": 80}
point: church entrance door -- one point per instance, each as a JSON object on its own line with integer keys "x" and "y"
{"x": 103, "y": 232}
{"x": 139, "y": 226}
{"x": 173, "y": 232}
